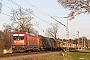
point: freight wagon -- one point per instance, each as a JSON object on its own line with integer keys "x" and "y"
{"x": 41, "y": 42}
{"x": 49, "y": 43}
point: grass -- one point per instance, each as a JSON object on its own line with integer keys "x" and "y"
{"x": 84, "y": 50}
{"x": 47, "y": 57}
{"x": 87, "y": 48}
{"x": 83, "y": 54}
{"x": 51, "y": 57}
{"x": 78, "y": 55}
{"x": 67, "y": 56}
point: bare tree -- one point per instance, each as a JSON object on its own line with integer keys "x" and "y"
{"x": 1, "y": 41}
{"x": 7, "y": 35}
{"x": 21, "y": 21}
{"x": 76, "y": 6}
{"x": 52, "y": 31}
{"x": 5, "y": 39}
{"x": 22, "y": 18}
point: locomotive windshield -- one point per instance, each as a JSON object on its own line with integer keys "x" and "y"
{"x": 18, "y": 36}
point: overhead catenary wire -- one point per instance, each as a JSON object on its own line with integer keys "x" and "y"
{"x": 9, "y": 15}
{"x": 14, "y": 3}
{"x": 37, "y": 8}
{"x": 58, "y": 21}
{"x": 63, "y": 25}
{"x": 24, "y": 9}
{"x": 5, "y": 14}
{"x": 6, "y": 6}
{"x": 27, "y": 11}
{"x": 72, "y": 34}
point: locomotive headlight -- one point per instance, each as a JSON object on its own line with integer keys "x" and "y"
{"x": 14, "y": 41}
{"x": 22, "y": 41}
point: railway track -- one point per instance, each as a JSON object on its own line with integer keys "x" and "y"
{"x": 22, "y": 54}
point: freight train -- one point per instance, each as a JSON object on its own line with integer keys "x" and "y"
{"x": 24, "y": 41}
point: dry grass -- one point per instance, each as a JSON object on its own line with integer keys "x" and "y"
{"x": 54, "y": 56}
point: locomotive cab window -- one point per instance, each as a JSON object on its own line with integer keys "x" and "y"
{"x": 18, "y": 36}
{"x": 21, "y": 37}
{"x": 15, "y": 37}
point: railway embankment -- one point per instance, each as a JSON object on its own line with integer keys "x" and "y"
{"x": 29, "y": 56}
{"x": 78, "y": 54}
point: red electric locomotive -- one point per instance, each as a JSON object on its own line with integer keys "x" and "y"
{"x": 22, "y": 41}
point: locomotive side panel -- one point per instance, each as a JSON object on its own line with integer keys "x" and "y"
{"x": 33, "y": 41}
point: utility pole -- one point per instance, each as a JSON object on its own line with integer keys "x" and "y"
{"x": 84, "y": 43}
{"x": 78, "y": 37}
{"x": 67, "y": 35}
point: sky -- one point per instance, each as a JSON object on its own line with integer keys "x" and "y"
{"x": 44, "y": 9}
